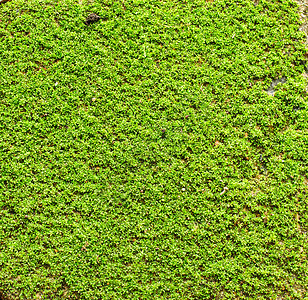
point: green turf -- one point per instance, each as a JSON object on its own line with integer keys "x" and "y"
{"x": 141, "y": 156}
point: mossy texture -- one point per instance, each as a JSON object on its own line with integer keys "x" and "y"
{"x": 141, "y": 156}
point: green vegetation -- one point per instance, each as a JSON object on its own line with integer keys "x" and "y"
{"x": 141, "y": 156}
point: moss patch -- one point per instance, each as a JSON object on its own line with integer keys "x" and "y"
{"x": 141, "y": 156}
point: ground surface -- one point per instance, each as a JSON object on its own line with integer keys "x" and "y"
{"x": 141, "y": 157}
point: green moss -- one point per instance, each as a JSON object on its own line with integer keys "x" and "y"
{"x": 141, "y": 156}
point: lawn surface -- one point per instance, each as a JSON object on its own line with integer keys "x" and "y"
{"x": 141, "y": 157}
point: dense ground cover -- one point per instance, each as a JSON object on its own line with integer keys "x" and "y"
{"x": 141, "y": 156}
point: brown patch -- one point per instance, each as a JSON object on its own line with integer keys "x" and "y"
{"x": 57, "y": 22}
{"x": 4, "y": 296}
{"x": 92, "y": 18}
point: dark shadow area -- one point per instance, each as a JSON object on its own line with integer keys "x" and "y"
{"x": 2, "y": 296}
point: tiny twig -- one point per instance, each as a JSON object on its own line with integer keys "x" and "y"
{"x": 224, "y": 190}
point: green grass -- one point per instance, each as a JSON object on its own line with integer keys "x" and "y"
{"x": 141, "y": 156}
